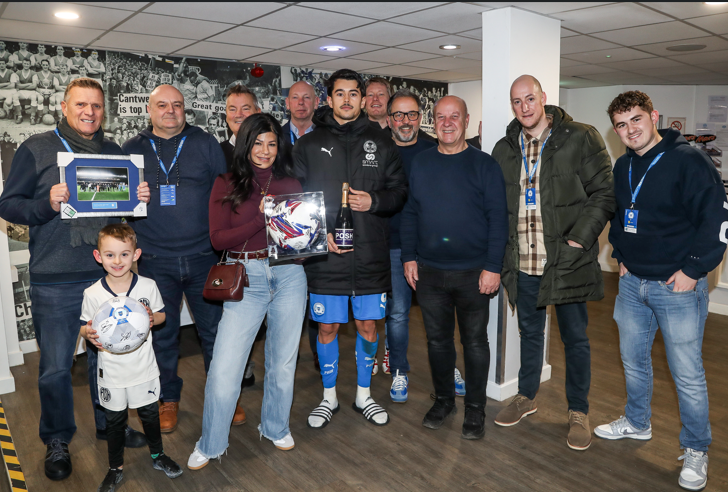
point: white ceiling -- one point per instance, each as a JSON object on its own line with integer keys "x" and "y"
{"x": 603, "y": 43}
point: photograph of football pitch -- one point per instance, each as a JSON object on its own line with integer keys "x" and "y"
{"x": 110, "y": 184}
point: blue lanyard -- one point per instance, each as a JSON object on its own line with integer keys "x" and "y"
{"x": 293, "y": 138}
{"x": 525, "y": 160}
{"x": 174, "y": 161}
{"x": 637, "y": 190}
{"x": 65, "y": 144}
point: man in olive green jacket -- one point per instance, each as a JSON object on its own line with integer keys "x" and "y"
{"x": 560, "y": 194}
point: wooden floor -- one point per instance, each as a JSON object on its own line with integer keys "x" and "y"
{"x": 351, "y": 454}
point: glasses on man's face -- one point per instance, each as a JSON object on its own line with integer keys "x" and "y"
{"x": 399, "y": 115}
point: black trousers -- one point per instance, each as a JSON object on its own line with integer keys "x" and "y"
{"x": 116, "y": 431}
{"x": 573, "y": 320}
{"x": 443, "y": 294}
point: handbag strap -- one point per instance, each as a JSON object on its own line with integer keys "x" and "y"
{"x": 242, "y": 251}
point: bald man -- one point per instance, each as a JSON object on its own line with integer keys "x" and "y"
{"x": 453, "y": 231}
{"x": 560, "y": 196}
{"x": 301, "y": 103}
{"x": 181, "y": 163}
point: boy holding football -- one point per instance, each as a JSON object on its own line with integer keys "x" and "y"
{"x": 128, "y": 379}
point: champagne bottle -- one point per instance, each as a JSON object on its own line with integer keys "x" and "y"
{"x": 344, "y": 227}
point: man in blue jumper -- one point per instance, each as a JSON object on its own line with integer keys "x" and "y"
{"x": 181, "y": 163}
{"x": 670, "y": 230}
{"x": 61, "y": 263}
{"x": 454, "y": 232}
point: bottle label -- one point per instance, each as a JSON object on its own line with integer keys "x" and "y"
{"x": 344, "y": 237}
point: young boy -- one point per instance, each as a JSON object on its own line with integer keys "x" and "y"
{"x": 130, "y": 379}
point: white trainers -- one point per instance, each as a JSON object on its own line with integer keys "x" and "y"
{"x": 375, "y": 367}
{"x": 622, "y": 429}
{"x": 285, "y": 443}
{"x": 459, "y": 384}
{"x": 694, "y": 474}
{"x": 197, "y": 461}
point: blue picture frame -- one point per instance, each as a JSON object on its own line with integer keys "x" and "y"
{"x": 102, "y": 185}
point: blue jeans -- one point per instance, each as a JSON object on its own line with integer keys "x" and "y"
{"x": 280, "y": 293}
{"x": 56, "y": 317}
{"x": 642, "y": 306}
{"x": 396, "y": 327}
{"x": 573, "y": 320}
{"x": 176, "y": 276}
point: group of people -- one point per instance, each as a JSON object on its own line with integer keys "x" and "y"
{"x": 39, "y": 80}
{"x": 435, "y": 216}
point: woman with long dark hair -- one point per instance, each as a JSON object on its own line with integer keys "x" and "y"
{"x": 260, "y": 167}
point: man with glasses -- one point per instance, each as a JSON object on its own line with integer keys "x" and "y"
{"x": 454, "y": 231}
{"x": 404, "y": 117}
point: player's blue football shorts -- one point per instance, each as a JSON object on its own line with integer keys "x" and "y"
{"x": 335, "y": 309}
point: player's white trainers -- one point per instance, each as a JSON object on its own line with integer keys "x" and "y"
{"x": 375, "y": 367}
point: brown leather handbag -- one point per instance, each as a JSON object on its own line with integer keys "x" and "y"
{"x": 226, "y": 280}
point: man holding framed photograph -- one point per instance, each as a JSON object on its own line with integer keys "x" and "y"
{"x": 61, "y": 262}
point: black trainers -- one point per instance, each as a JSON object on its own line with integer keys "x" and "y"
{"x": 57, "y": 460}
{"x": 474, "y": 422}
{"x": 442, "y": 408}
{"x": 134, "y": 438}
{"x": 167, "y": 465}
{"x": 112, "y": 478}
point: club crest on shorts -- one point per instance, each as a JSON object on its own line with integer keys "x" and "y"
{"x": 105, "y": 395}
{"x": 370, "y": 147}
{"x": 318, "y": 309}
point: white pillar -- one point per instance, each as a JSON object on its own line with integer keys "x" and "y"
{"x": 515, "y": 42}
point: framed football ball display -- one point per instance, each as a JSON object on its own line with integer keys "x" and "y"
{"x": 296, "y": 225}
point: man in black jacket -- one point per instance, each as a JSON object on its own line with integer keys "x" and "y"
{"x": 240, "y": 102}
{"x": 345, "y": 148}
{"x": 670, "y": 230}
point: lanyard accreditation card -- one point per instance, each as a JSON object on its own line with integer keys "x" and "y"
{"x": 168, "y": 192}
{"x": 530, "y": 189}
{"x": 631, "y": 215}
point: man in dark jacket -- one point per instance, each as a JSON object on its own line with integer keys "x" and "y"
{"x": 344, "y": 148}
{"x": 560, "y": 196}
{"x": 62, "y": 265}
{"x": 240, "y": 102}
{"x": 669, "y": 232}
{"x": 301, "y": 103}
{"x": 181, "y": 162}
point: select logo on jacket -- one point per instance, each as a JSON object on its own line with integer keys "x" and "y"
{"x": 369, "y": 159}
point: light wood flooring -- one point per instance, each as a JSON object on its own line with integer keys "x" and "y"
{"x": 352, "y": 454}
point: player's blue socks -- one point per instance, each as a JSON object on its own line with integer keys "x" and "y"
{"x": 328, "y": 355}
{"x": 365, "y": 352}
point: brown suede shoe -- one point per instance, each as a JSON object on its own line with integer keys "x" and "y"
{"x": 168, "y": 416}
{"x": 579, "y": 431}
{"x": 518, "y": 408}
{"x": 239, "y": 417}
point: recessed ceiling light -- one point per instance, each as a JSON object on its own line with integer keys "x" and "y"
{"x": 450, "y": 47}
{"x": 686, "y": 47}
{"x": 609, "y": 56}
{"x": 66, "y": 15}
{"x": 332, "y": 48}
{"x": 715, "y": 3}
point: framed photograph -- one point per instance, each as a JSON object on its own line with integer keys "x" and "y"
{"x": 102, "y": 185}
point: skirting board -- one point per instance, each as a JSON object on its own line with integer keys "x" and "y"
{"x": 28, "y": 346}
{"x": 500, "y": 392}
{"x": 15, "y": 358}
{"x": 714, "y": 307}
{"x": 7, "y": 385}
